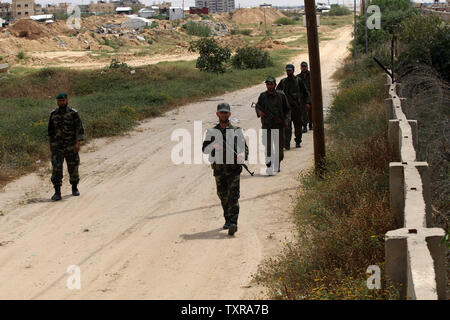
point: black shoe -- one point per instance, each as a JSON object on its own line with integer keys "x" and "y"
{"x": 305, "y": 130}
{"x": 297, "y": 145}
{"x": 75, "y": 191}
{"x": 57, "y": 195}
{"x": 232, "y": 229}
{"x": 226, "y": 225}
{"x": 287, "y": 147}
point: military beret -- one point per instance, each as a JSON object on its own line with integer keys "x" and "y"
{"x": 61, "y": 95}
{"x": 290, "y": 67}
{"x": 223, "y": 107}
{"x": 304, "y": 64}
{"x": 270, "y": 79}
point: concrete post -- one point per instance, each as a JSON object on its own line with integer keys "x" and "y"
{"x": 397, "y": 192}
{"x": 389, "y": 109}
{"x": 396, "y": 261}
{"x": 438, "y": 253}
{"x": 424, "y": 172}
{"x": 394, "y": 140}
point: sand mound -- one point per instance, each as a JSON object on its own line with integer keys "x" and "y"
{"x": 270, "y": 44}
{"x": 29, "y": 29}
{"x": 256, "y": 15}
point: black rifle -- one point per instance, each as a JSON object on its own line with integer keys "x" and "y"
{"x": 241, "y": 164}
{"x": 268, "y": 114}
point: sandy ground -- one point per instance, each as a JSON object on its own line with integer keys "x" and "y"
{"x": 81, "y": 60}
{"x": 144, "y": 228}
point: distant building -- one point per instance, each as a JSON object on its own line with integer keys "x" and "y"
{"x": 175, "y": 13}
{"x": 124, "y": 10}
{"x": 38, "y": 9}
{"x": 56, "y": 9}
{"x": 101, "y": 7}
{"x": 215, "y": 6}
{"x": 22, "y": 8}
{"x": 146, "y": 13}
{"x": 5, "y": 10}
{"x": 195, "y": 10}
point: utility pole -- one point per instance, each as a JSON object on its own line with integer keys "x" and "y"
{"x": 354, "y": 30}
{"x": 316, "y": 85}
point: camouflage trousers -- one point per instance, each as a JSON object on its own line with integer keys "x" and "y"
{"x": 268, "y": 140}
{"x": 310, "y": 117}
{"x": 297, "y": 119}
{"x": 72, "y": 160}
{"x": 228, "y": 192}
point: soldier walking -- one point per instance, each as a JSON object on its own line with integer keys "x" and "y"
{"x": 65, "y": 131}
{"x": 298, "y": 97}
{"x": 227, "y": 150}
{"x": 305, "y": 76}
{"x": 277, "y": 104}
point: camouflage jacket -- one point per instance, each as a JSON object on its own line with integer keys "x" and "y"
{"x": 296, "y": 92}
{"x": 225, "y": 161}
{"x": 306, "y": 78}
{"x": 65, "y": 127}
{"x": 277, "y": 104}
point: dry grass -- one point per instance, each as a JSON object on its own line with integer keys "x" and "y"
{"x": 341, "y": 218}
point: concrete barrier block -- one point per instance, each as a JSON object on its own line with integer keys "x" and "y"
{"x": 438, "y": 253}
{"x": 394, "y": 140}
{"x": 424, "y": 172}
{"x": 396, "y": 260}
{"x": 389, "y": 109}
{"x": 397, "y": 192}
{"x": 415, "y": 137}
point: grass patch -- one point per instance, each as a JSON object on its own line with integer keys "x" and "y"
{"x": 110, "y": 101}
{"x": 342, "y": 218}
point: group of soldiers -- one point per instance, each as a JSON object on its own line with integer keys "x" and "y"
{"x": 278, "y": 107}
{"x": 289, "y": 101}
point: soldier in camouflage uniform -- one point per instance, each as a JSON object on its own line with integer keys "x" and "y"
{"x": 278, "y": 105}
{"x": 65, "y": 132}
{"x": 298, "y": 97}
{"x": 305, "y": 76}
{"x": 227, "y": 149}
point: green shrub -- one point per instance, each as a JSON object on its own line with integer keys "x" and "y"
{"x": 196, "y": 29}
{"x": 21, "y": 55}
{"x": 284, "y": 21}
{"x": 337, "y": 10}
{"x": 115, "y": 64}
{"x": 251, "y": 58}
{"x": 212, "y": 56}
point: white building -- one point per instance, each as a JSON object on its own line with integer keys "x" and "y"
{"x": 216, "y": 5}
{"x": 146, "y": 13}
{"x": 176, "y": 13}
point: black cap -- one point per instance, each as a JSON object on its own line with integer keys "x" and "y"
{"x": 223, "y": 107}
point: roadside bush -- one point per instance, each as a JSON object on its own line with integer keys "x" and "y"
{"x": 196, "y": 29}
{"x": 212, "y": 56}
{"x": 425, "y": 40}
{"x": 342, "y": 216}
{"x": 337, "y": 10}
{"x": 251, "y": 58}
{"x": 116, "y": 64}
{"x": 284, "y": 21}
{"x": 21, "y": 55}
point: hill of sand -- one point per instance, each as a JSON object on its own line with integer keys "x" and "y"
{"x": 256, "y": 15}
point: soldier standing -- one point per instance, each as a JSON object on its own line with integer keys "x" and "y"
{"x": 298, "y": 97}
{"x": 65, "y": 131}
{"x": 277, "y": 104}
{"x": 306, "y": 77}
{"x": 227, "y": 150}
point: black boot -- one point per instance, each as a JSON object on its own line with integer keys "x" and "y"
{"x": 75, "y": 191}
{"x": 232, "y": 229}
{"x": 57, "y": 195}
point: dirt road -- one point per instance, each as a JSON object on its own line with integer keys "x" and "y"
{"x": 144, "y": 228}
